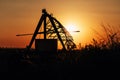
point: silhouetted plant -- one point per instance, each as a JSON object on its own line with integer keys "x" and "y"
{"x": 104, "y": 49}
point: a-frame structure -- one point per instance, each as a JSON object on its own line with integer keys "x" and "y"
{"x": 53, "y": 29}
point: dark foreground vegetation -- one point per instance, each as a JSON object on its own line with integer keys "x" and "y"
{"x": 86, "y": 61}
{"x": 100, "y": 58}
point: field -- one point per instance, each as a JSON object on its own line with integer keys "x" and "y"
{"x": 63, "y": 64}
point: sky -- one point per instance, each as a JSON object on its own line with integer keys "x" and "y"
{"x": 22, "y": 16}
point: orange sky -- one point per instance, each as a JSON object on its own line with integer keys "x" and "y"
{"x": 22, "y": 16}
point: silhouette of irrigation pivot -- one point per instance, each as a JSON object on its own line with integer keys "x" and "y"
{"x": 52, "y": 29}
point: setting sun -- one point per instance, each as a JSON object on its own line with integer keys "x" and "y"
{"x": 72, "y": 28}
{"x": 80, "y": 33}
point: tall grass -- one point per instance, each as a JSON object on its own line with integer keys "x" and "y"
{"x": 104, "y": 49}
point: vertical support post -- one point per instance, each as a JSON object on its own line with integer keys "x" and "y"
{"x": 45, "y": 26}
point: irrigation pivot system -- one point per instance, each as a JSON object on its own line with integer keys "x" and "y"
{"x": 52, "y": 29}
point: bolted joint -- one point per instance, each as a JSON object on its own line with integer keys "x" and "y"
{"x": 44, "y": 11}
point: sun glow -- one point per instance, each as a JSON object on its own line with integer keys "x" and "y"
{"x": 72, "y": 29}
{"x": 74, "y": 32}
{"x": 79, "y": 33}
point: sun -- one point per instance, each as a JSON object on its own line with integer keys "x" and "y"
{"x": 79, "y": 32}
{"x": 71, "y": 28}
